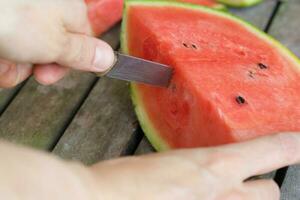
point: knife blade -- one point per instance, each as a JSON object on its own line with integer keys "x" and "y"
{"x": 135, "y": 69}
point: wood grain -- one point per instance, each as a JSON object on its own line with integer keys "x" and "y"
{"x": 258, "y": 15}
{"x": 286, "y": 28}
{"x": 103, "y": 127}
{"x": 6, "y": 96}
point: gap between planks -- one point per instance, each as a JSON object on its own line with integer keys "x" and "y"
{"x": 104, "y": 127}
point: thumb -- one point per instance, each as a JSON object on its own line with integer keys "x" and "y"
{"x": 86, "y": 53}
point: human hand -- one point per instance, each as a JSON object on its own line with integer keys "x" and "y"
{"x": 53, "y": 35}
{"x": 217, "y": 173}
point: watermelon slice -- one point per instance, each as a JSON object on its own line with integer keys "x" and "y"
{"x": 103, "y": 14}
{"x": 240, "y": 3}
{"x": 231, "y": 81}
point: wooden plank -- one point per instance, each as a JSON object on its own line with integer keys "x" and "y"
{"x": 286, "y": 25}
{"x": 290, "y": 189}
{"x": 286, "y": 28}
{"x": 258, "y": 15}
{"x": 144, "y": 147}
{"x": 103, "y": 127}
{"x": 6, "y": 96}
{"x": 39, "y": 114}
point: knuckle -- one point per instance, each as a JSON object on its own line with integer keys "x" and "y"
{"x": 78, "y": 50}
{"x": 289, "y": 145}
{"x": 79, "y": 9}
{"x": 57, "y": 49}
{"x": 218, "y": 161}
{"x": 233, "y": 195}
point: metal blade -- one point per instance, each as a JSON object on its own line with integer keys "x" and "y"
{"x": 139, "y": 70}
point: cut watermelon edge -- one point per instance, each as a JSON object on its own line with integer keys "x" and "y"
{"x": 145, "y": 123}
{"x": 241, "y": 4}
{"x": 151, "y": 133}
{"x": 217, "y": 6}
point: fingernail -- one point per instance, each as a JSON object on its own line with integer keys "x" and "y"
{"x": 104, "y": 57}
{"x": 4, "y": 68}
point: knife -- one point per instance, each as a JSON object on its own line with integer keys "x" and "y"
{"x": 135, "y": 69}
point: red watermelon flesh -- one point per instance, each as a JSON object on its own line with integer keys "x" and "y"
{"x": 231, "y": 82}
{"x": 103, "y": 14}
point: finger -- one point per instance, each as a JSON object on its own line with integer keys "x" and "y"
{"x": 262, "y": 190}
{"x": 38, "y": 173}
{"x": 49, "y": 73}
{"x": 76, "y": 10}
{"x": 264, "y": 154}
{"x": 12, "y": 74}
{"x": 86, "y": 53}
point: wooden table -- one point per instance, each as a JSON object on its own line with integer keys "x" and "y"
{"x": 89, "y": 119}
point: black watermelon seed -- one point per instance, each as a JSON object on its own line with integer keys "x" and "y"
{"x": 185, "y": 45}
{"x": 240, "y": 100}
{"x": 194, "y": 46}
{"x": 262, "y": 66}
{"x": 251, "y": 74}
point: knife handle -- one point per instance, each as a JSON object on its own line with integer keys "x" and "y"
{"x": 99, "y": 74}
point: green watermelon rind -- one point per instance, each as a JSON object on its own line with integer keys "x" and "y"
{"x": 142, "y": 116}
{"x": 240, "y": 3}
{"x": 146, "y": 124}
{"x": 218, "y": 6}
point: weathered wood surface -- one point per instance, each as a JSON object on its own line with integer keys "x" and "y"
{"x": 259, "y": 16}
{"x": 6, "y": 96}
{"x": 38, "y": 115}
{"x": 144, "y": 147}
{"x": 103, "y": 127}
{"x": 286, "y": 25}
{"x": 96, "y": 117}
{"x": 290, "y": 189}
{"x": 286, "y": 28}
